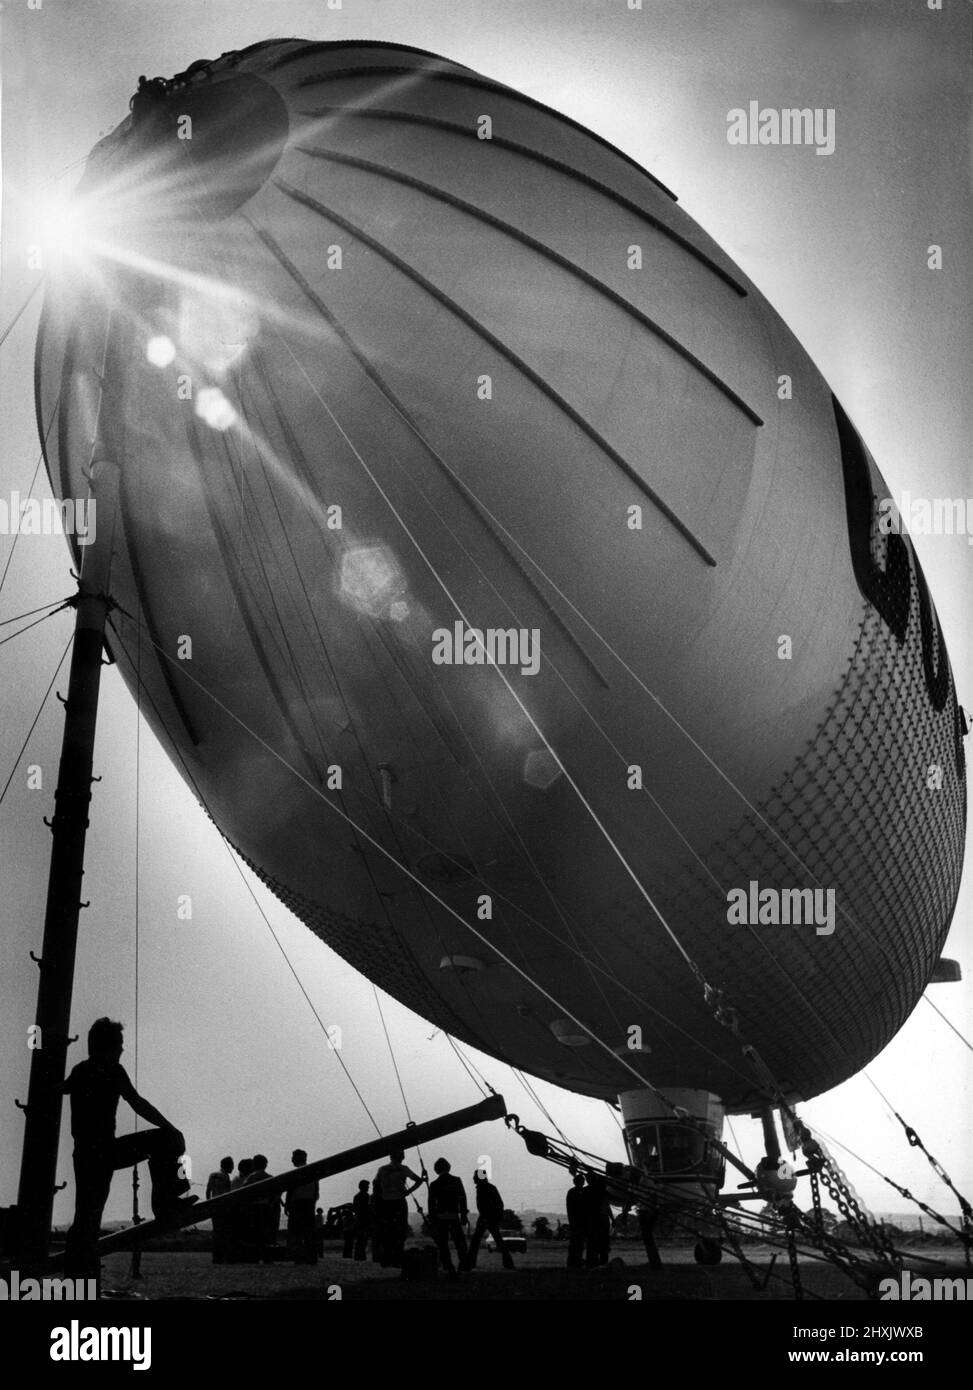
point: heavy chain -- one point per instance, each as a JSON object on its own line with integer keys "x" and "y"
{"x": 940, "y": 1171}
{"x": 839, "y": 1254}
{"x": 833, "y": 1249}
{"x": 819, "y": 1160}
{"x": 872, "y": 1233}
{"x": 816, "y": 1201}
{"x": 923, "y": 1206}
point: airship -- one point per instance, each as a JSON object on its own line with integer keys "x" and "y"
{"x": 505, "y": 580}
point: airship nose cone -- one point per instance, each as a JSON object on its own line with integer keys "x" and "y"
{"x": 205, "y": 146}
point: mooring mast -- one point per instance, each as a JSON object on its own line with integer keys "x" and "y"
{"x": 38, "y": 1170}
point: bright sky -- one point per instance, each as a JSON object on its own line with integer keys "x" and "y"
{"x": 228, "y": 1047}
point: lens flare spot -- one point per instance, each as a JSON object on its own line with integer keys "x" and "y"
{"x": 568, "y": 1033}
{"x": 214, "y": 409}
{"x": 372, "y": 581}
{"x": 161, "y": 351}
{"x": 541, "y": 769}
{"x": 215, "y": 329}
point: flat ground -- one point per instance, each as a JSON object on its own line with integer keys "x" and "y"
{"x": 540, "y": 1274}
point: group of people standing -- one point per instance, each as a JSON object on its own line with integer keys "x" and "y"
{"x": 249, "y": 1233}
{"x": 589, "y": 1222}
{"x": 381, "y": 1216}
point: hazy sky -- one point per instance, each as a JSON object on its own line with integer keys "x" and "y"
{"x": 227, "y": 1045}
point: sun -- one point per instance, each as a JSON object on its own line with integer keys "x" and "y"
{"x": 64, "y": 226}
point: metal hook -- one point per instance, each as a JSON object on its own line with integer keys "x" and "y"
{"x": 48, "y": 821}
{"x": 95, "y": 779}
{"x": 20, "y": 1105}
{"x": 60, "y": 697}
{"x": 60, "y": 1186}
{"x": 85, "y": 904}
{"x": 38, "y": 960}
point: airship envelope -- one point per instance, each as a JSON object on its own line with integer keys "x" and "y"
{"x": 541, "y": 655}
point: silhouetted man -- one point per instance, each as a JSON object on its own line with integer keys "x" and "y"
{"x": 489, "y": 1206}
{"x": 597, "y": 1221}
{"x": 391, "y": 1189}
{"x": 243, "y": 1171}
{"x": 266, "y": 1212}
{"x": 217, "y": 1185}
{"x": 648, "y": 1215}
{"x": 299, "y": 1206}
{"x": 95, "y": 1087}
{"x": 576, "y": 1223}
{"x": 348, "y": 1231}
{"x": 362, "y": 1208}
{"x": 448, "y": 1214}
{"x": 242, "y": 1238}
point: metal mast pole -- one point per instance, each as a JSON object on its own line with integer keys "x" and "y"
{"x": 38, "y": 1172}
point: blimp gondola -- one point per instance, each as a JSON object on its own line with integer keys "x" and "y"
{"x": 505, "y": 580}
